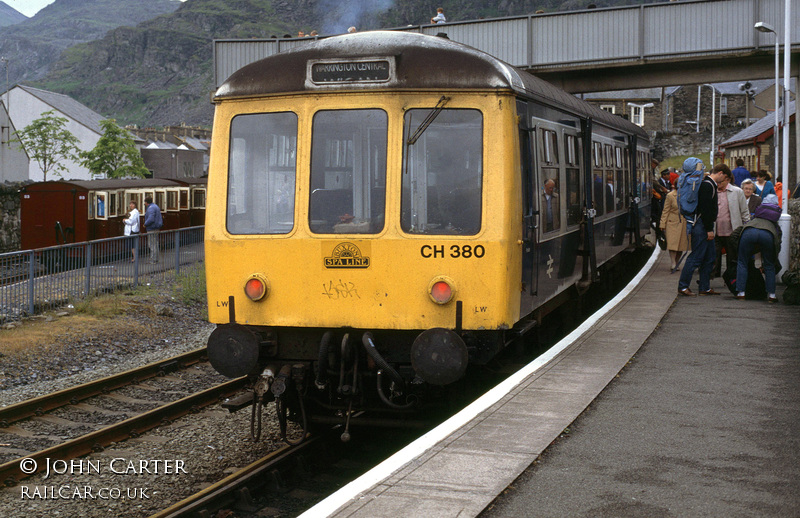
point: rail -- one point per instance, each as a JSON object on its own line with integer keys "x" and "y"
{"x": 33, "y": 281}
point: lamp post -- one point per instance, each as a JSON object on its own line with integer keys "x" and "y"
{"x": 765, "y": 27}
{"x": 713, "y": 125}
{"x": 785, "y": 220}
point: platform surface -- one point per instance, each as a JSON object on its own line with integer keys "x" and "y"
{"x": 661, "y": 406}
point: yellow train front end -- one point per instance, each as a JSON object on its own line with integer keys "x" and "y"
{"x": 363, "y": 223}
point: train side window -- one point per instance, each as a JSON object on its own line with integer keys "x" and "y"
{"x": 610, "y": 188}
{"x": 183, "y": 201}
{"x": 199, "y": 198}
{"x": 261, "y": 173}
{"x": 160, "y": 199}
{"x": 113, "y": 204}
{"x": 348, "y": 172}
{"x": 172, "y": 200}
{"x": 550, "y": 197}
{"x": 598, "y": 178}
{"x": 619, "y": 198}
{"x": 442, "y": 172}
{"x": 572, "y": 154}
{"x": 100, "y": 205}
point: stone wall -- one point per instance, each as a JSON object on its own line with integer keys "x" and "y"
{"x": 794, "y": 236}
{"x": 9, "y": 217}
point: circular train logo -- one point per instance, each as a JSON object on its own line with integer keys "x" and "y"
{"x": 346, "y": 255}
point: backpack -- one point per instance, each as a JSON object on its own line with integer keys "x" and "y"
{"x": 768, "y": 211}
{"x": 688, "y": 189}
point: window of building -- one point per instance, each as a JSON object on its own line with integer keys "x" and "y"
{"x": 610, "y": 108}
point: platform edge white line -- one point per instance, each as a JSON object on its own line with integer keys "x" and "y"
{"x": 403, "y": 457}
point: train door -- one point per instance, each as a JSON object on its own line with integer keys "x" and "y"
{"x": 527, "y": 141}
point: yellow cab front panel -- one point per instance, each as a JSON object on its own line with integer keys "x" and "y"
{"x": 350, "y": 207}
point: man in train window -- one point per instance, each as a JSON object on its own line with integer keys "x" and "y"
{"x": 550, "y": 206}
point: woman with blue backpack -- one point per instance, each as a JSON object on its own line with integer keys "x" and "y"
{"x": 760, "y": 234}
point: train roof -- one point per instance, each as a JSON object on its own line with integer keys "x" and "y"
{"x": 420, "y": 62}
{"x": 103, "y": 185}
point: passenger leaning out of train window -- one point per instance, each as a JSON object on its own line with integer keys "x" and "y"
{"x": 131, "y": 222}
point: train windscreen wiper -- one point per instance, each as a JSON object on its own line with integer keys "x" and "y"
{"x": 428, "y": 120}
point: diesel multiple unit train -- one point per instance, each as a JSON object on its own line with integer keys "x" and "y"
{"x": 386, "y": 209}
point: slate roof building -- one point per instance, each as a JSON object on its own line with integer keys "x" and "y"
{"x": 26, "y": 104}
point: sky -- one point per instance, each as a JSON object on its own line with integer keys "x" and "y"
{"x": 31, "y": 7}
{"x": 28, "y": 7}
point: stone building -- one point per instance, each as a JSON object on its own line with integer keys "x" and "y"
{"x": 756, "y": 145}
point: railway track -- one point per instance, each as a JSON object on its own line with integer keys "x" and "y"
{"x": 85, "y": 437}
{"x": 293, "y": 478}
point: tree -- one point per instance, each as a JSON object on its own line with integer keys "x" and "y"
{"x": 115, "y": 155}
{"x": 47, "y": 142}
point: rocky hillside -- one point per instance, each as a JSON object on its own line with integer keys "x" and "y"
{"x": 32, "y": 45}
{"x": 160, "y": 72}
{"x": 10, "y": 16}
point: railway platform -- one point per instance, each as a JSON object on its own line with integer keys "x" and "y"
{"x": 657, "y": 405}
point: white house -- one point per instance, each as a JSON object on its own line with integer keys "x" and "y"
{"x": 26, "y": 104}
{"x": 13, "y": 161}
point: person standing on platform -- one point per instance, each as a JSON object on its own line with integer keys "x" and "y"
{"x": 152, "y": 223}
{"x": 674, "y": 226}
{"x": 764, "y": 186}
{"x": 700, "y": 229}
{"x": 753, "y": 199}
{"x": 131, "y": 223}
{"x": 740, "y": 173}
{"x": 732, "y": 213}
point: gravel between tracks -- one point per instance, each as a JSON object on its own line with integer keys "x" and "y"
{"x": 200, "y": 448}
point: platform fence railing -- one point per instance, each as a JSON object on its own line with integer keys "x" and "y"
{"x": 34, "y": 281}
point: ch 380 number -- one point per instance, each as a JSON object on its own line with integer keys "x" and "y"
{"x": 455, "y": 251}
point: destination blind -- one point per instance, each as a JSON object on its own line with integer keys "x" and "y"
{"x": 350, "y": 72}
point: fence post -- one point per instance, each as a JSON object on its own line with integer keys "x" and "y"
{"x": 31, "y": 282}
{"x": 88, "y": 268}
{"x": 136, "y": 240}
{"x": 177, "y": 251}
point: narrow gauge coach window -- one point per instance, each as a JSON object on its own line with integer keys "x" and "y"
{"x": 442, "y": 172}
{"x": 348, "y": 172}
{"x": 261, "y": 175}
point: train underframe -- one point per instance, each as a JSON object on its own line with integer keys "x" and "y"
{"x": 375, "y": 377}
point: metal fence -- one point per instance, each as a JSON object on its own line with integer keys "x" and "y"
{"x": 32, "y": 281}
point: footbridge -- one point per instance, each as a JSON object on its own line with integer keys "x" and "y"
{"x": 657, "y": 44}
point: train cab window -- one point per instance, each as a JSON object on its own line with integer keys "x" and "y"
{"x": 598, "y": 178}
{"x": 348, "y": 172}
{"x": 261, "y": 174}
{"x": 442, "y": 172}
{"x": 572, "y": 154}
{"x": 550, "y": 197}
